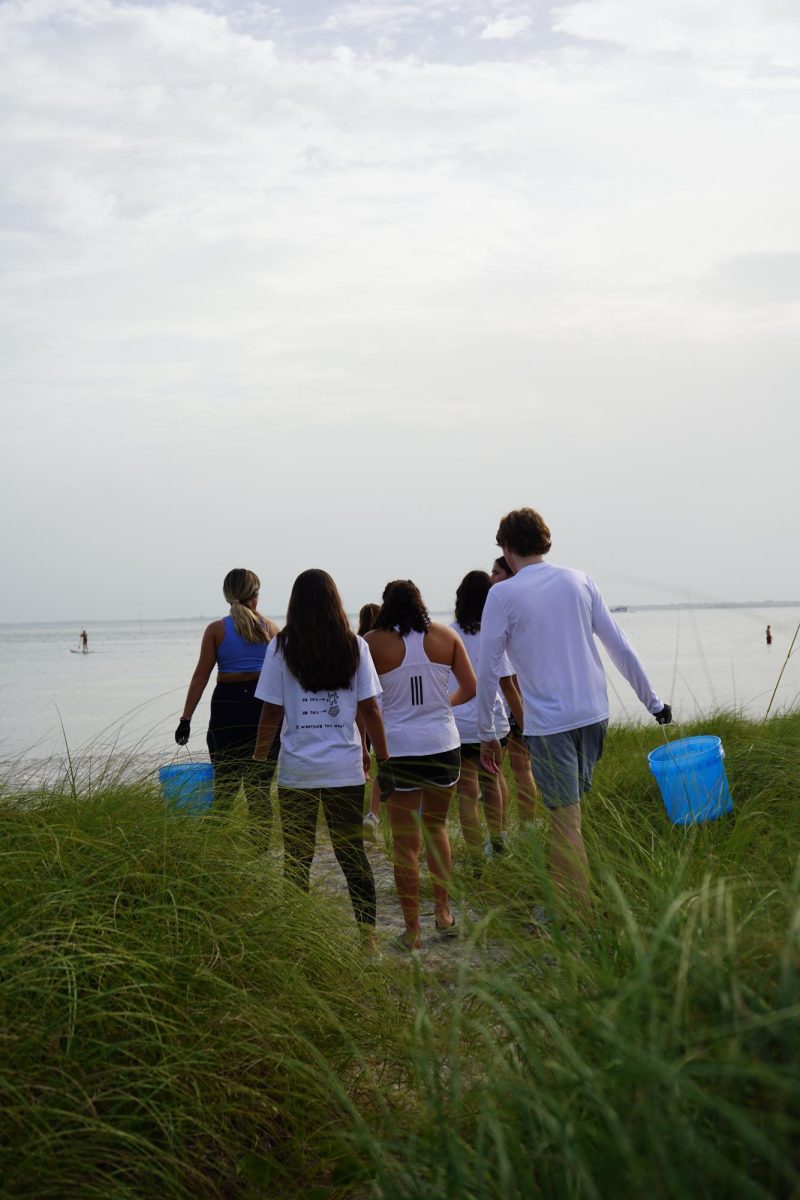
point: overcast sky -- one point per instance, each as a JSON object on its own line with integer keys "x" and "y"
{"x": 310, "y": 283}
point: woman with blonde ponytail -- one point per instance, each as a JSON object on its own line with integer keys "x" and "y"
{"x": 236, "y": 645}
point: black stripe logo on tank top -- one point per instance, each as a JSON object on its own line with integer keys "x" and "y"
{"x": 416, "y": 689}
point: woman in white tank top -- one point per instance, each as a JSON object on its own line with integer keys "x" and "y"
{"x": 475, "y": 782}
{"x": 517, "y": 752}
{"x": 414, "y": 658}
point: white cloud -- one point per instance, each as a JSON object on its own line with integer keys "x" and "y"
{"x": 719, "y": 31}
{"x": 504, "y": 28}
{"x": 205, "y": 230}
{"x": 758, "y": 279}
{"x": 368, "y": 15}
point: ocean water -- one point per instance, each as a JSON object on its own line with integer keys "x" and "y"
{"x": 123, "y": 700}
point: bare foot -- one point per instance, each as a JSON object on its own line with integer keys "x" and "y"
{"x": 411, "y": 939}
{"x": 444, "y": 920}
{"x": 369, "y": 940}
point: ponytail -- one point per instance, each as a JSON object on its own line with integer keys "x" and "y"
{"x": 238, "y": 587}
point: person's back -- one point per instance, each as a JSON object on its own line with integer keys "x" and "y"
{"x": 236, "y": 645}
{"x": 320, "y": 747}
{"x": 546, "y": 618}
{"x": 413, "y": 657}
{"x": 236, "y": 654}
{"x": 551, "y": 614}
{"x": 318, "y": 682}
{"x": 416, "y": 703}
{"x": 466, "y": 715}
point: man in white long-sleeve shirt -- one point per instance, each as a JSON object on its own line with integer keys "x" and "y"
{"x": 546, "y": 619}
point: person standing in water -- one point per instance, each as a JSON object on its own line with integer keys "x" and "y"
{"x": 236, "y": 646}
{"x": 547, "y": 618}
{"x": 769, "y": 635}
{"x": 84, "y": 642}
{"x": 319, "y": 676}
{"x": 414, "y": 658}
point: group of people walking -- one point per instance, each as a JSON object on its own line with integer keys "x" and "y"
{"x": 437, "y": 705}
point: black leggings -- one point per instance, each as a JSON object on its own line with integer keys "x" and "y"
{"x": 231, "y": 740}
{"x": 343, "y": 808}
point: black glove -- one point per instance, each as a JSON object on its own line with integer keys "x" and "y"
{"x": 385, "y": 779}
{"x": 183, "y": 731}
{"x": 665, "y": 716}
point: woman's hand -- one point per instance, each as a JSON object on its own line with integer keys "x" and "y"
{"x": 386, "y": 780}
{"x": 183, "y": 731}
{"x": 492, "y": 756}
{"x": 268, "y": 725}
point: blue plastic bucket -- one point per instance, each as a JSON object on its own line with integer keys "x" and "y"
{"x": 188, "y": 785}
{"x": 691, "y": 776}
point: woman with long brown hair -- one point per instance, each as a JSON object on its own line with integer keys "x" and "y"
{"x": 517, "y": 753}
{"x": 414, "y": 657}
{"x": 319, "y": 680}
{"x": 475, "y": 782}
{"x": 236, "y": 645}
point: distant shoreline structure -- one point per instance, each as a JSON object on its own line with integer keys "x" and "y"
{"x": 687, "y": 604}
{"x": 683, "y": 606}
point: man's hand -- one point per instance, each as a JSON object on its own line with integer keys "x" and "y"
{"x": 183, "y": 731}
{"x": 386, "y": 780}
{"x": 366, "y": 760}
{"x": 492, "y": 756}
{"x": 665, "y": 716}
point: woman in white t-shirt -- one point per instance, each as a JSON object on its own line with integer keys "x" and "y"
{"x": 476, "y": 783}
{"x": 414, "y": 658}
{"x": 317, "y": 678}
{"x": 517, "y": 752}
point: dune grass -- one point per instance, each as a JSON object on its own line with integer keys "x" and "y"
{"x": 173, "y": 1024}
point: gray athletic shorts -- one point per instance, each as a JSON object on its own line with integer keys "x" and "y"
{"x": 562, "y": 763}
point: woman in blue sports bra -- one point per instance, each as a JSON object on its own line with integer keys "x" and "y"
{"x": 236, "y": 645}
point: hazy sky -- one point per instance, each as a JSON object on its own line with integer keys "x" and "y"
{"x": 332, "y": 284}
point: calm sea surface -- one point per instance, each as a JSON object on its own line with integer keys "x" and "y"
{"x": 125, "y": 697}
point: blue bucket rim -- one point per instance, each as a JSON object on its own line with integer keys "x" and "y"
{"x": 685, "y": 749}
{"x": 195, "y": 768}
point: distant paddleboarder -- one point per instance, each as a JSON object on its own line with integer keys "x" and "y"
{"x": 83, "y": 641}
{"x": 769, "y": 635}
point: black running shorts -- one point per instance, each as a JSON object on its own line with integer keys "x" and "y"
{"x": 440, "y": 770}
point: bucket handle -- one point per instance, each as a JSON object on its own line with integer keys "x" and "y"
{"x": 663, "y": 729}
{"x": 177, "y": 752}
{"x": 175, "y": 756}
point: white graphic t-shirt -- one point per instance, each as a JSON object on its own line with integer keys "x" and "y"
{"x": 320, "y": 744}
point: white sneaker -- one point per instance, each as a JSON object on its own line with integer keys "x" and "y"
{"x": 370, "y": 827}
{"x": 541, "y": 921}
{"x": 540, "y": 915}
{"x": 489, "y": 848}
